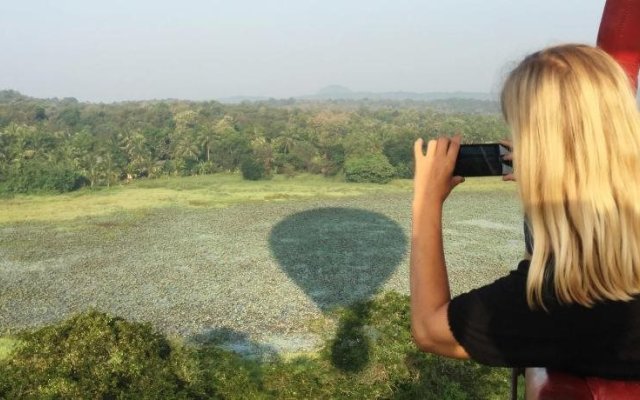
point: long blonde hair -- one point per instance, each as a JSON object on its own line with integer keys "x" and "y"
{"x": 576, "y": 150}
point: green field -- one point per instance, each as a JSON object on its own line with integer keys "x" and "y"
{"x": 259, "y": 268}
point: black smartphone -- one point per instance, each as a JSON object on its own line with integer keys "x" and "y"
{"x": 482, "y": 160}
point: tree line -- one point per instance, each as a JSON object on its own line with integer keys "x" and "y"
{"x": 63, "y": 144}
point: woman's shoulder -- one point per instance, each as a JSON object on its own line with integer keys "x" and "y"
{"x": 496, "y": 326}
{"x": 509, "y": 287}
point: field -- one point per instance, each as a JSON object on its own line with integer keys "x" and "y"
{"x": 277, "y": 272}
{"x": 253, "y": 266}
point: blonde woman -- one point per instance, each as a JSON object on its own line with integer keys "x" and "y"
{"x": 572, "y": 304}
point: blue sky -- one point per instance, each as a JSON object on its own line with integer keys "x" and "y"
{"x": 195, "y": 49}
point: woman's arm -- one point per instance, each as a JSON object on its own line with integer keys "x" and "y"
{"x": 430, "y": 293}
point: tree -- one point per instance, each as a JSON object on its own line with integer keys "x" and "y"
{"x": 252, "y": 169}
{"x": 139, "y": 158}
{"x": 230, "y": 146}
{"x": 371, "y": 168}
{"x": 40, "y": 114}
{"x": 185, "y": 141}
{"x": 399, "y": 152}
{"x": 168, "y": 137}
{"x": 263, "y": 153}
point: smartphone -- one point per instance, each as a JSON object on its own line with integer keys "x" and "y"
{"x": 482, "y": 160}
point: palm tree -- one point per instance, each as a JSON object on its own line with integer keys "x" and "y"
{"x": 206, "y": 137}
{"x": 139, "y": 157}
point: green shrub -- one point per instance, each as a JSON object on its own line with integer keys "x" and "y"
{"x": 334, "y": 161}
{"x": 372, "y": 168}
{"x": 399, "y": 152}
{"x": 35, "y": 176}
{"x": 252, "y": 169}
{"x": 371, "y": 356}
{"x": 404, "y": 171}
{"x": 94, "y": 355}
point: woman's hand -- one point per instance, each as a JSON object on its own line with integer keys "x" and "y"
{"x": 433, "y": 180}
{"x": 508, "y": 156}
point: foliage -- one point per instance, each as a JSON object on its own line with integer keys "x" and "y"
{"x": 252, "y": 169}
{"x": 371, "y": 168}
{"x": 109, "y": 144}
{"x": 399, "y": 151}
{"x": 372, "y": 356}
{"x": 34, "y": 176}
{"x": 94, "y": 355}
{"x": 334, "y": 161}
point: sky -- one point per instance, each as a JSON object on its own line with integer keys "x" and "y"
{"x": 117, "y": 50}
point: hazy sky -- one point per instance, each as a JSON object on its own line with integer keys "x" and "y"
{"x": 111, "y": 50}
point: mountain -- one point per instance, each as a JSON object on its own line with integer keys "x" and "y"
{"x": 240, "y": 99}
{"x": 8, "y": 96}
{"x": 336, "y": 92}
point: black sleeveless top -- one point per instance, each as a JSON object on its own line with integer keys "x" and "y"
{"x": 496, "y": 327}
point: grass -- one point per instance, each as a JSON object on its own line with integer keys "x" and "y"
{"x": 211, "y": 191}
{"x": 7, "y": 345}
{"x": 372, "y": 357}
{"x": 191, "y": 270}
{"x": 212, "y": 260}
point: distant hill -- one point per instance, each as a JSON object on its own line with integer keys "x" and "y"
{"x": 240, "y": 99}
{"x": 331, "y": 96}
{"x": 465, "y": 102}
{"x": 8, "y": 96}
{"x": 336, "y": 92}
{"x": 13, "y": 96}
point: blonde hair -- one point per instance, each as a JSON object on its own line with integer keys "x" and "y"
{"x": 576, "y": 149}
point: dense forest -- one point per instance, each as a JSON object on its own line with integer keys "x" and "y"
{"x": 63, "y": 144}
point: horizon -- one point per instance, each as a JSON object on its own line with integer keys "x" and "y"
{"x": 319, "y": 95}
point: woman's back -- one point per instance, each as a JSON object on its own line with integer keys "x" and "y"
{"x": 576, "y": 136}
{"x": 575, "y": 305}
{"x": 496, "y": 326}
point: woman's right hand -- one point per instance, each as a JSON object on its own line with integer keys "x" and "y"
{"x": 508, "y": 156}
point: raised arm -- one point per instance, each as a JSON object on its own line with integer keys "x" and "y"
{"x": 430, "y": 293}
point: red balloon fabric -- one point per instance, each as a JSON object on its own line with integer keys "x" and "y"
{"x": 619, "y": 35}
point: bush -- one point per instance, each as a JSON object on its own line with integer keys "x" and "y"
{"x": 252, "y": 170}
{"x": 94, "y": 355}
{"x": 372, "y": 355}
{"x": 399, "y": 152}
{"x": 35, "y": 176}
{"x": 373, "y": 168}
{"x": 404, "y": 171}
{"x": 334, "y": 161}
{"x": 287, "y": 170}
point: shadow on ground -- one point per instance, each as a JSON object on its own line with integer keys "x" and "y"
{"x": 238, "y": 342}
{"x": 340, "y": 256}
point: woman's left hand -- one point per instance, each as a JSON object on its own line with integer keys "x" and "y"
{"x": 433, "y": 180}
